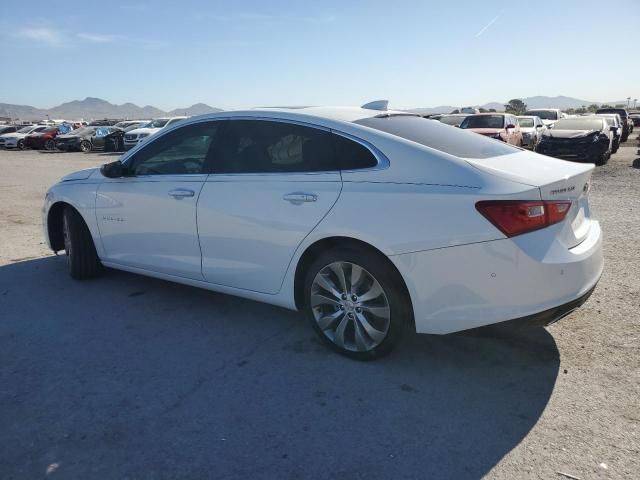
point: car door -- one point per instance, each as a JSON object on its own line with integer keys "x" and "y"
{"x": 147, "y": 219}
{"x": 98, "y": 136}
{"x": 272, "y": 182}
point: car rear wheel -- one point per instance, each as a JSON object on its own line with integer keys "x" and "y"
{"x": 79, "y": 247}
{"x": 50, "y": 144}
{"x": 85, "y": 146}
{"x": 354, "y": 303}
{"x": 21, "y": 144}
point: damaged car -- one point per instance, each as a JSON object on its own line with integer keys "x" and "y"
{"x": 580, "y": 139}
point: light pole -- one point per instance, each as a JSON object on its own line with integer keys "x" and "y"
{"x": 628, "y": 100}
{"x": 635, "y": 101}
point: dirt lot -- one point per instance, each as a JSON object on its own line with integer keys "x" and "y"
{"x": 130, "y": 377}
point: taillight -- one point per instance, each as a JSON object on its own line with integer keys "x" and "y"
{"x": 515, "y": 217}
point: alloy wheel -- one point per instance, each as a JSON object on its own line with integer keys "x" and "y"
{"x": 350, "y": 306}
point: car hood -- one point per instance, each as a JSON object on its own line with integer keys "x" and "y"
{"x": 548, "y": 122}
{"x": 79, "y": 175}
{"x": 137, "y": 131}
{"x": 569, "y": 133}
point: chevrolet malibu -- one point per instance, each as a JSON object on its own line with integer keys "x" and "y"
{"x": 370, "y": 222}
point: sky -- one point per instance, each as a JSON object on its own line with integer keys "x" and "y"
{"x": 239, "y": 54}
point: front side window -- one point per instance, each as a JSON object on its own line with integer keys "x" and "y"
{"x": 180, "y": 152}
{"x": 262, "y": 146}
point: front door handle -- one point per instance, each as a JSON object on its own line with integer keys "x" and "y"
{"x": 299, "y": 197}
{"x": 179, "y": 193}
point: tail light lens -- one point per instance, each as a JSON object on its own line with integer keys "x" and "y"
{"x": 515, "y": 217}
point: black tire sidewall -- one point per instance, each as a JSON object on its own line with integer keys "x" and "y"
{"x": 389, "y": 280}
{"x": 87, "y": 146}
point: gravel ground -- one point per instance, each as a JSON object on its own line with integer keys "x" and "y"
{"x": 130, "y": 377}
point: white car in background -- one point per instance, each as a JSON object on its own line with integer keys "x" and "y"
{"x": 133, "y": 137}
{"x": 369, "y": 221}
{"x": 531, "y": 128}
{"x": 16, "y": 139}
{"x": 549, "y": 116}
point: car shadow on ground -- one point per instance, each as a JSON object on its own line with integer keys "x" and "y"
{"x": 127, "y": 376}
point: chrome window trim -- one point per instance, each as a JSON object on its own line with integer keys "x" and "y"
{"x": 381, "y": 158}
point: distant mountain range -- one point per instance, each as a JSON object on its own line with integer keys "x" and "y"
{"x": 561, "y": 102}
{"x": 95, "y": 108}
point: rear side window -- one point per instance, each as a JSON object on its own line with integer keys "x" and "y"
{"x": 436, "y": 135}
{"x": 179, "y": 152}
{"x": 353, "y": 155}
{"x": 263, "y": 146}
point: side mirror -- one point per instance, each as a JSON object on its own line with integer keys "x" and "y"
{"x": 511, "y": 125}
{"x": 113, "y": 169}
{"x": 539, "y": 126}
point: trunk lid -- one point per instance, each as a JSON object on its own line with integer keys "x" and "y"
{"x": 555, "y": 179}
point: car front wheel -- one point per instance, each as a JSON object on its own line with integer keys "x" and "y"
{"x": 79, "y": 247}
{"x": 50, "y": 145}
{"x": 85, "y": 146}
{"x": 355, "y": 304}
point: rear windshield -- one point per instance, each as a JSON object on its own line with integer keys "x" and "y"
{"x": 620, "y": 111}
{"x": 483, "y": 121}
{"x": 543, "y": 114}
{"x": 525, "y": 122}
{"x": 578, "y": 124}
{"x": 444, "y": 138}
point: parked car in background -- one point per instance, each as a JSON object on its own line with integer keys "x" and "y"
{"x": 103, "y": 123}
{"x": 9, "y": 129}
{"x": 83, "y": 139}
{"x": 133, "y": 137}
{"x": 580, "y": 139}
{"x": 45, "y": 139}
{"x": 114, "y": 142}
{"x": 453, "y": 119}
{"x": 635, "y": 118}
{"x": 16, "y": 139}
{"x": 624, "y": 116}
{"x": 128, "y": 123}
{"x": 268, "y": 204}
{"x": 613, "y": 120}
{"x": 548, "y": 115}
{"x": 531, "y": 128}
{"x": 501, "y": 126}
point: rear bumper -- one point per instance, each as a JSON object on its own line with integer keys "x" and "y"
{"x": 552, "y": 315}
{"x": 532, "y": 277}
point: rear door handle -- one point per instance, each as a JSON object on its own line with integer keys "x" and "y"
{"x": 300, "y": 197}
{"x": 179, "y": 193}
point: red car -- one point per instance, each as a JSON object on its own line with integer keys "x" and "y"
{"x": 501, "y": 126}
{"x": 44, "y": 139}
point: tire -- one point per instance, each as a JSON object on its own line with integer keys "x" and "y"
{"x": 50, "y": 144}
{"x": 78, "y": 245}
{"x": 602, "y": 159}
{"x": 616, "y": 146}
{"x": 21, "y": 145}
{"x": 85, "y": 146}
{"x": 359, "y": 328}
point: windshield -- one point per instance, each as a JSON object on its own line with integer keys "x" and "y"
{"x": 543, "y": 114}
{"x": 137, "y": 125}
{"x": 82, "y": 131}
{"x": 25, "y": 129}
{"x": 578, "y": 124}
{"x": 158, "y": 123}
{"x": 438, "y": 136}
{"x": 525, "y": 122}
{"x": 451, "y": 119}
{"x": 483, "y": 121}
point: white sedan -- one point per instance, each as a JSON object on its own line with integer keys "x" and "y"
{"x": 369, "y": 221}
